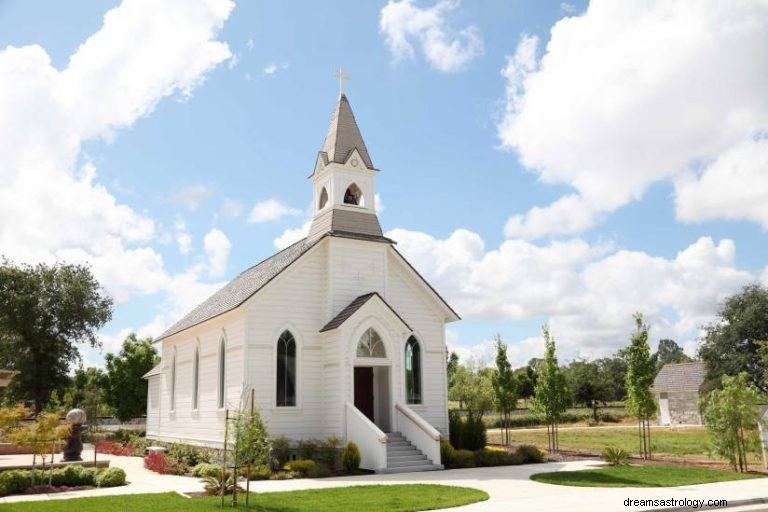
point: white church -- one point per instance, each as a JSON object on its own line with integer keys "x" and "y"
{"x": 337, "y": 335}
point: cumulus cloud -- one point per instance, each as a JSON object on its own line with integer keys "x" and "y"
{"x": 630, "y": 93}
{"x": 52, "y": 206}
{"x": 183, "y": 239}
{"x": 273, "y": 68}
{"x": 271, "y": 210}
{"x": 587, "y": 292}
{"x": 231, "y": 208}
{"x": 404, "y": 25}
{"x": 292, "y": 235}
{"x": 193, "y": 196}
{"x": 217, "y": 247}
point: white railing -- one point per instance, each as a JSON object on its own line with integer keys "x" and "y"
{"x": 421, "y": 434}
{"x": 369, "y": 438}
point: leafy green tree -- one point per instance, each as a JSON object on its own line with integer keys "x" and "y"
{"x": 731, "y": 343}
{"x": 46, "y": 312}
{"x": 641, "y": 370}
{"x": 763, "y": 351}
{"x": 731, "y": 415}
{"x": 550, "y": 395}
{"x": 613, "y": 372}
{"x": 525, "y": 376}
{"x": 127, "y": 387}
{"x": 588, "y": 385}
{"x": 669, "y": 352}
{"x": 504, "y": 386}
{"x": 452, "y": 363}
{"x": 250, "y": 447}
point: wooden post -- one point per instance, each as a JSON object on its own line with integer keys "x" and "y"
{"x": 224, "y": 457}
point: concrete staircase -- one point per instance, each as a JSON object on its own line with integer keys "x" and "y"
{"x": 403, "y": 457}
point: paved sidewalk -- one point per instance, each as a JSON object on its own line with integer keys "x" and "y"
{"x": 509, "y": 487}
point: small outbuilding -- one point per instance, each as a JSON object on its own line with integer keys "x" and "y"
{"x": 677, "y": 388}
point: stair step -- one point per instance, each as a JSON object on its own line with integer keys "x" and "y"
{"x": 394, "y": 444}
{"x": 407, "y": 458}
{"x": 412, "y": 469}
{"x": 407, "y": 463}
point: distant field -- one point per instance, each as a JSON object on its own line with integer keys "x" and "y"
{"x": 680, "y": 442}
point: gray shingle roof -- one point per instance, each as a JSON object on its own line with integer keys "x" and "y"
{"x": 680, "y": 377}
{"x": 242, "y": 287}
{"x": 157, "y": 370}
{"x": 344, "y": 135}
{"x": 352, "y": 308}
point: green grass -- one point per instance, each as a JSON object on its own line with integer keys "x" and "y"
{"x": 682, "y": 442}
{"x": 370, "y": 498}
{"x": 640, "y": 476}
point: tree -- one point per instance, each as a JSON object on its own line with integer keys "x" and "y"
{"x": 669, "y": 352}
{"x": 588, "y": 385}
{"x": 45, "y": 313}
{"x": 550, "y": 395}
{"x": 730, "y": 344}
{"x": 504, "y": 387}
{"x": 250, "y": 447}
{"x": 452, "y": 363}
{"x": 127, "y": 387}
{"x": 731, "y": 414}
{"x": 641, "y": 371}
{"x": 525, "y": 377}
{"x": 613, "y": 373}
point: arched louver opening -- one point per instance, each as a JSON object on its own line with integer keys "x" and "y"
{"x": 412, "y": 371}
{"x": 323, "y": 199}
{"x": 353, "y": 195}
{"x": 286, "y": 370}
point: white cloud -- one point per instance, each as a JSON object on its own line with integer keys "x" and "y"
{"x": 234, "y": 61}
{"x": 587, "y": 292}
{"x": 634, "y": 92}
{"x": 250, "y": 43}
{"x": 569, "y": 214}
{"x": 567, "y": 8}
{"x": 292, "y": 235}
{"x": 193, "y": 196}
{"x": 52, "y": 208}
{"x": 231, "y": 208}
{"x": 273, "y": 68}
{"x": 271, "y": 210}
{"x": 404, "y": 25}
{"x": 217, "y": 248}
{"x": 183, "y": 239}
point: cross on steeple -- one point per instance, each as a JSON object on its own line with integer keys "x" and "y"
{"x": 341, "y": 75}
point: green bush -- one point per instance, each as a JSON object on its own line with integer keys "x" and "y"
{"x": 281, "y": 450}
{"x": 281, "y": 475}
{"x": 464, "y": 459}
{"x": 301, "y": 466}
{"x": 260, "y": 473}
{"x": 110, "y": 477}
{"x": 328, "y": 452}
{"x": 529, "y": 453}
{"x": 307, "y": 449}
{"x": 467, "y": 433}
{"x": 615, "y": 456}
{"x": 14, "y": 481}
{"x": 495, "y": 457}
{"x": 205, "y": 469}
{"x": 72, "y": 476}
{"x": 190, "y": 456}
{"x": 350, "y": 458}
{"x": 140, "y": 444}
{"x": 447, "y": 454}
{"x": 455, "y": 427}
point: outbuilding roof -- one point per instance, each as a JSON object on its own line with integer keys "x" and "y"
{"x": 680, "y": 377}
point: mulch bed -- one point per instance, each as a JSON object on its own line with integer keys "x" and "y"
{"x": 50, "y": 489}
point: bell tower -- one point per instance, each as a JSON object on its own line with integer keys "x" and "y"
{"x": 344, "y": 180}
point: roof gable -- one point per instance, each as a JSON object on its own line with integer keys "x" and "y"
{"x": 680, "y": 377}
{"x": 354, "y": 306}
{"x": 450, "y": 314}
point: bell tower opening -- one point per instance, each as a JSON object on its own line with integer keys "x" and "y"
{"x": 354, "y": 195}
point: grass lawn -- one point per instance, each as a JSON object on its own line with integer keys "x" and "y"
{"x": 370, "y": 498}
{"x": 640, "y": 476}
{"x": 664, "y": 441}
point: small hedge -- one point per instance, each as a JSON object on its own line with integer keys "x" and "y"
{"x": 350, "y": 458}
{"x": 307, "y": 468}
{"x": 205, "y": 469}
{"x": 467, "y": 433}
{"x": 17, "y": 481}
{"x": 455, "y": 459}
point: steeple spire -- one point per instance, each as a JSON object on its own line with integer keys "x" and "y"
{"x": 344, "y": 136}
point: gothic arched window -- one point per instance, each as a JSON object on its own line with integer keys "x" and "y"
{"x": 222, "y": 372}
{"x": 286, "y": 370}
{"x": 353, "y": 195}
{"x": 412, "y": 371}
{"x": 173, "y": 380}
{"x": 323, "y": 199}
{"x": 196, "y": 379}
{"x": 371, "y": 345}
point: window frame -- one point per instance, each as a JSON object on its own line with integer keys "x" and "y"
{"x": 221, "y": 390}
{"x": 196, "y": 378}
{"x": 286, "y": 401}
{"x": 369, "y": 346}
{"x": 173, "y": 381}
{"x": 413, "y": 342}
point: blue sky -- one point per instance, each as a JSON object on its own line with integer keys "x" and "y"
{"x": 471, "y": 116}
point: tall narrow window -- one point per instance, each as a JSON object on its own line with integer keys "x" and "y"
{"x": 173, "y": 380}
{"x": 286, "y": 370}
{"x": 323, "y": 199}
{"x": 222, "y": 372}
{"x": 371, "y": 345}
{"x": 353, "y": 195}
{"x": 412, "y": 371}
{"x": 196, "y": 379}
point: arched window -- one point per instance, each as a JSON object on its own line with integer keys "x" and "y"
{"x": 173, "y": 380}
{"x": 371, "y": 345}
{"x": 412, "y": 371}
{"x": 286, "y": 370}
{"x": 323, "y": 199}
{"x": 353, "y": 195}
{"x": 196, "y": 378}
{"x": 222, "y": 372}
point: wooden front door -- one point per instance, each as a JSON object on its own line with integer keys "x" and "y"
{"x": 364, "y": 390}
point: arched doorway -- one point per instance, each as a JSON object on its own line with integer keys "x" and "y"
{"x": 372, "y": 379}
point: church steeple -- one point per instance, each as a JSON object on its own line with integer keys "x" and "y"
{"x": 344, "y": 180}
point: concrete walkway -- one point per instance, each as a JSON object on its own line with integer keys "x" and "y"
{"x": 509, "y": 487}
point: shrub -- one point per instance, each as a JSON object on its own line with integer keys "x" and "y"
{"x": 14, "y": 481}
{"x": 307, "y": 449}
{"x": 464, "y": 459}
{"x": 281, "y": 475}
{"x": 260, "y": 473}
{"x": 214, "y": 483}
{"x": 350, "y": 458}
{"x": 139, "y": 444}
{"x": 73, "y": 476}
{"x": 496, "y": 457}
{"x": 189, "y": 455}
{"x": 447, "y": 454}
{"x": 473, "y": 436}
{"x": 281, "y": 450}
{"x": 328, "y": 452}
{"x": 455, "y": 427}
{"x": 110, "y": 477}
{"x": 114, "y": 448}
{"x": 164, "y": 464}
{"x": 205, "y": 469}
{"x": 301, "y": 466}
{"x": 615, "y": 456}
{"x": 529, "y": 453}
